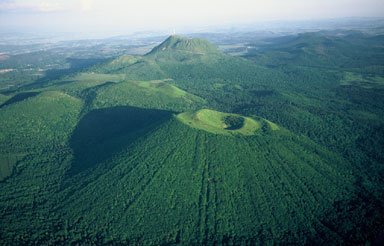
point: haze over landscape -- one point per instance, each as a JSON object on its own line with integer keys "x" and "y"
{"x": 136, "y": 15}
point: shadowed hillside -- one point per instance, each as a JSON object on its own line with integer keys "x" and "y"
{"x": 103, "y": 132}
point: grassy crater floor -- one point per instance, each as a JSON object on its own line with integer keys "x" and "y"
{"x": 214, "y": 122}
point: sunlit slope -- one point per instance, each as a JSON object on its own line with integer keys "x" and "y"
{"x": 39, "y": 120}
{"x": 195, "y": 65}
{"x": 176, "y": 184}
{"x": 175, "y": 46}
{"x": 75, "y": 84}
{"x": 35, "y": 124}
{"x": 99, "y": 90}
{"x": 222, "y": 123}
{"x": 158, "y": 94}
{"x": 3, "y": 98}
{"x": 134, "y": 68}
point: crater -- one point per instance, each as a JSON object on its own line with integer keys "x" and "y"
{"x": 222, "y": 123}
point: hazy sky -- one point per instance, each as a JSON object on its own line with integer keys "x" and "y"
{"x": 133, "y": 15}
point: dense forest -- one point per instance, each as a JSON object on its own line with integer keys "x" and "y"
{"x": 187, "y": 145}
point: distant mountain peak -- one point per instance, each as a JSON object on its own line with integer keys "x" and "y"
{"x": 179, "y": 44}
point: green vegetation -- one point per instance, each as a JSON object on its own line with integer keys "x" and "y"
{"x": 364, "y": 81}
{"x": 7, "y": 162}
{"x": 189, "y": 146}
{"x": 3, "y": 98}
{"x": 146, "y": 94}
{"x": 158, "y": 86}
{"x": 220, "y": 123}
{"x": 220, "y": 194}
{"x": 176, "y": 44}
{"x": 233, "y": 122}
{"x": 75, "y": 84}
{"x": 34, "y": 125}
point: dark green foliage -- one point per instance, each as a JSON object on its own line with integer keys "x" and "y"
{"x": 19, "y": 97}
{"x": 134, "y": 93}
{"x": 102, "y": 132}
{"x": 7, "y": 163}
{"x": 233, "y": 122}
{"x": 98, "y": 158}
{"x": 354, "y": 52}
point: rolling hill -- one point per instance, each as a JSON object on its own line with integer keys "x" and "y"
{"x": 177, "y": 44}
{"x": 350, "y": 50}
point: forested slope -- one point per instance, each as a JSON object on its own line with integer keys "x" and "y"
{"x": 187, "y": 145}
